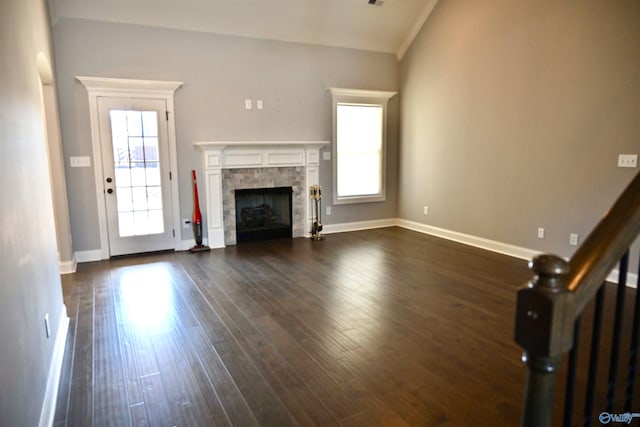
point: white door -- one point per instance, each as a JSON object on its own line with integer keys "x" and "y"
{"x": 135, "y": 164}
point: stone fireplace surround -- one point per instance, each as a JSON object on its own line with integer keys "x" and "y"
{"x": 256, "y": 164}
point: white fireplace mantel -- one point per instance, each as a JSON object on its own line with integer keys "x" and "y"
{"x": 220, "y": 155}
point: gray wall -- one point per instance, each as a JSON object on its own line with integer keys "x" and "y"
{"x": 513, "y": 114}
{"x": 29, "y": 276}
{"x": 219, "y": 72}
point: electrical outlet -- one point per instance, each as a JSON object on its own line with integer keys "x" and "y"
{"x": 247, "y": 104}
{"x": 328, "y": 210}
{"x": 573, "y": 239}
{"x": 425, "y": 210}
{"x": 540, "y": 233}
{"x": 186, "y": 223}
{"x": 259, "y": 104}
{"x": 627, "y": 160}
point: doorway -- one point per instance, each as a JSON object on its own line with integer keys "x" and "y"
{"x": 136, "y": 177}
{"x": 106, "y": 94}
{"x": 132, "y": 91}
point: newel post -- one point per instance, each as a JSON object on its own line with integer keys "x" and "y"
{"x": 545, "y": 318}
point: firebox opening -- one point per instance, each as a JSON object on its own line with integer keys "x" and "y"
{"x": 263, "y": 214}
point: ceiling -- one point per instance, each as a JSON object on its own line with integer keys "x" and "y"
{"x": 388, "y": 27}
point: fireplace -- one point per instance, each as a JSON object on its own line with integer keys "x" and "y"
{"x": 231, "y": 165}
{"x": 263, "y": 214}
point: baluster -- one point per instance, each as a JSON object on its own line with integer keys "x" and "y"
{"x": 571, "y": 377}
{"x": 594, "y": 356}
{"x": 633, "y": 352}
{"x": 617, "y": 331}
{"x": 545, "y": 320}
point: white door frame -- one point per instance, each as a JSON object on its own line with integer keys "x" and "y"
{"x": 128, "y": 88}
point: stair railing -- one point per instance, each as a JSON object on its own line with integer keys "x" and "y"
{"x": 549, "y": 307}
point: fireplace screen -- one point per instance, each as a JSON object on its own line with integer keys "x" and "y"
{"x": 263, "y": 214}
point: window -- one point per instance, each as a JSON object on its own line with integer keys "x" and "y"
{"x": 359, "y": 145}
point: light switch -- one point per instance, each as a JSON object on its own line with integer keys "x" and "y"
{"x": 80, "y": 161}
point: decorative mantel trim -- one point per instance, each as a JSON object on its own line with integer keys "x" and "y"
{"x": 316, "y": 144}
{"x": 260, "y": 154}
{"x": 218, "y": 155}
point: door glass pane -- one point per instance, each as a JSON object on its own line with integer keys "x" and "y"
{"x": 137, "y": 172}
{"x": 153, "y": 173}
{"x": 154, "y": 197}
{"x": 134, "y": 123}
{"x": 138, "y": 175}
{"x": 141, "y": 221}
{"x": 150, "y": 123}
{"x": 155, "y": 218}
{"x": 124, "y": 199}
{"x": 139, "y": 199}
{"x": 151, "y": 149}
{"x": 123, "y": 176}
{"x": 125, "y": 224}
{"x": 136, "y": 153}
{"x": 118, "y": 123}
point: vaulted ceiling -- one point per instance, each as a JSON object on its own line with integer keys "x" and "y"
{"x": 387, "y": 26}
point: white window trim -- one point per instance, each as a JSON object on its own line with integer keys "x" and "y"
{"x": 365, "y": 97}
{"x": 130, "y": 88}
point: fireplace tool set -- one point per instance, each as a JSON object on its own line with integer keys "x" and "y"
{"x": 316, "y": 224}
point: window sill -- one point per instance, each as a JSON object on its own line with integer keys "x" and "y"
{"x": 350, "y": 200}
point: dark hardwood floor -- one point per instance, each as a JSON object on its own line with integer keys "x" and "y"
{"x": 385, "y": 327}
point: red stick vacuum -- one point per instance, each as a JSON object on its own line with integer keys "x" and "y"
{"x": 196, "y": 219}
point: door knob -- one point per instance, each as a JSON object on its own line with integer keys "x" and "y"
{"x": 109, "y": 190}
{"x": 109, "y": 180}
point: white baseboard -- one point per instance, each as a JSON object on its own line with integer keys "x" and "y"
{"x": 48, "y": 411}
{"x": 467, "y": 239}
{"x": 89, "y": 256}
{"x": 358, "y": 226}
{"x": 67, "y": 267}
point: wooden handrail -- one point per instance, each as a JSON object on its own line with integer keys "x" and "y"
{"x": 603, "y": 248}
{"x": 548, "y": 306}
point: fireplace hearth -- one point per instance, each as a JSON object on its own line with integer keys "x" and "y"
{"x": 263, "y": 214}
